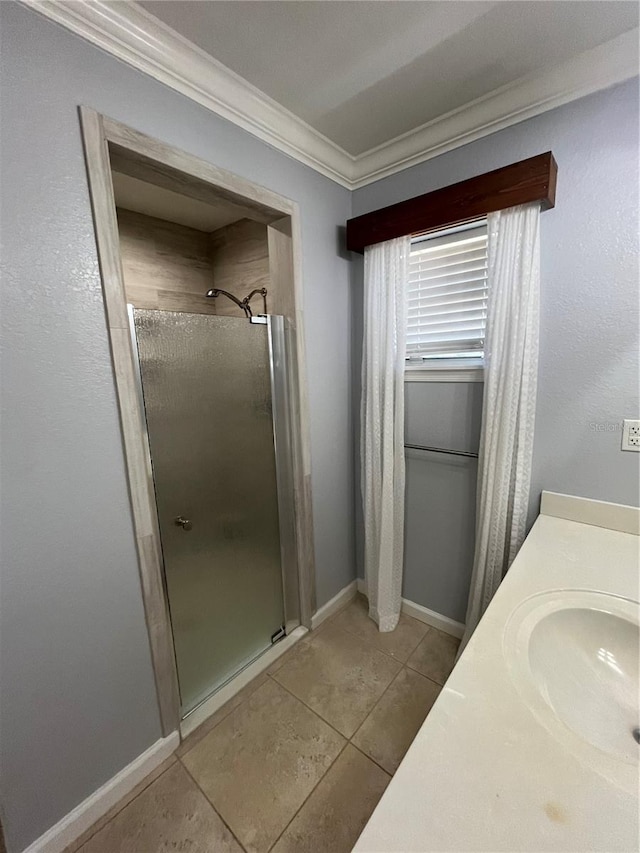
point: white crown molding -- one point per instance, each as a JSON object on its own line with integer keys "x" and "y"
{"x": 138, "y": 38}
{"x": 132, "y": 34}
{"x": 599, "y": 68}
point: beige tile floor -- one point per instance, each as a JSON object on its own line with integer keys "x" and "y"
{"x": 298, "y": 760}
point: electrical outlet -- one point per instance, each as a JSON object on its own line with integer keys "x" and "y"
{"x": 631, "y": 435}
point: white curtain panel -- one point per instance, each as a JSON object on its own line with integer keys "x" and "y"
{"x": 508, "y": 411}
{"x": 386, "y": 273}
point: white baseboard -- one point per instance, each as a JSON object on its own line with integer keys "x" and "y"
{"x": 423, "y": 614}
{"x": 98, "y": 804}
{"x": 334, "y": 604}
{"x": 221, "y": 696}
{"x": 435, "y": 620}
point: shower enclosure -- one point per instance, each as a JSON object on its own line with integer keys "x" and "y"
{"x": 214, "y": 392}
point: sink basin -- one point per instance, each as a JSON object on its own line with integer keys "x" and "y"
{"x": 585, "y": 665}
{"x": 573, "y": 656}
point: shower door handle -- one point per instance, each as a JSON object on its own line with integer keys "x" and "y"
{"x": 182, "y": 522}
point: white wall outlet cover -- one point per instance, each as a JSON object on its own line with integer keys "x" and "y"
{"x": 631, "y": 435}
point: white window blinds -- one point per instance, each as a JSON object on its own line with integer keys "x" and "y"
{"x": 448, "y": 294}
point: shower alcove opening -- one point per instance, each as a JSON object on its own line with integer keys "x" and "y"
{"x": 213, "y": 409}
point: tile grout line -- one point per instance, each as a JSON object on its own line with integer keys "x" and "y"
{"x": 404, "y": 666}
{"x": 364, "y": 642}
{"x": 311, "y": 792}
{"x": 74, "y": 847}
{"x": 382, "y": 651}
{"x": 348, "y": 739}
{"x": 306, "y": 799}
{"x": 309, "y": 708}
{"x": 222, "y": 718}
{"x": 359, "y": 637}
{"x": 397, "y": 675}
{"x": 388, "y": 654}
{"x": 204, "y": 794}
{"x": 315, "y": 714}
{"x": 413, "y": 669}
{"x": 348, "y": 742}
{"x": 372, "y": 760}
{"x": 388, "y": 687}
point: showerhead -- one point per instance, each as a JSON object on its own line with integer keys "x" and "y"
{"x": 244, "y": 304}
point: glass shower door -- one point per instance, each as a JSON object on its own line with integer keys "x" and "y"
{"x": 207, "y": 399}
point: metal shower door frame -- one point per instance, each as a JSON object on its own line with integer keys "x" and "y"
{"x": 280, "y": 375}
{"x": 279, "y": 347}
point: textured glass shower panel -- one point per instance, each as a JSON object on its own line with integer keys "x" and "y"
{"x": 207, "y": 397}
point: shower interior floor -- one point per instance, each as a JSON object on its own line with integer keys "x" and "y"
{"x": 297, "y": 761}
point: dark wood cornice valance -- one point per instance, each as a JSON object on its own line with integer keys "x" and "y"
{"x": 520, "y": 183}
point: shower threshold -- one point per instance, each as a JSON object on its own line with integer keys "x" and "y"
{"x": 229, "y": 689}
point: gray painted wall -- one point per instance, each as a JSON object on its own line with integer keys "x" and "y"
{"x": 78, "y": 700}
{"x": 441, "y": 494}
{"x": 588, "y": 372}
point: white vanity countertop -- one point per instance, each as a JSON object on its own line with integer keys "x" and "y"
{"x": 483, "y": 774}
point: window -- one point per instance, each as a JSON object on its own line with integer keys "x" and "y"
{"x": 447, "y": 298}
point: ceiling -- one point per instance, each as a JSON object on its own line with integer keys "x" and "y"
{"x": 363, "y": 73}
{"x": 361, "y": 89}
{"x": 152, "y": 200}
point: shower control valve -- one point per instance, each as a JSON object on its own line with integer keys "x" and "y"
{"x": 183, "y": 522}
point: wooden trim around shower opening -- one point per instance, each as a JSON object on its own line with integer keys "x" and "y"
{"x": 527, "y": 181}
{"x": 109, "y": 144}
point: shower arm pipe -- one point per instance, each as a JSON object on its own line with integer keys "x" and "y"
{"x": 262, "y": 291}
